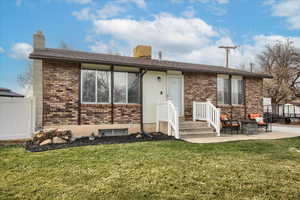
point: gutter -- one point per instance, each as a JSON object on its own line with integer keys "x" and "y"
{"x": 148, "y": 66}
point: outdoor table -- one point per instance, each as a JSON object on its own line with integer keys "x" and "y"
{"x": 249, "y": 127}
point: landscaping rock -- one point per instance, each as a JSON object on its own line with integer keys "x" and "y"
{"x": 33, "y": 147}
{"x": 59, "y": 135}
{"x": 45, "y": 142}
{"x": 57, "y": 140}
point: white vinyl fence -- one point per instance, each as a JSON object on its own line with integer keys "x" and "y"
{"x": 16, "y": 118}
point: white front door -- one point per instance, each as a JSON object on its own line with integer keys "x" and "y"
{"x": 175, "y": 92}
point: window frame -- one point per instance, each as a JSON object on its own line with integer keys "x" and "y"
{"x": 224, "y": 77}
{"x": 231, "y": 78}
{"x": 111, "y": 91}
{"x": 96, "y": 87}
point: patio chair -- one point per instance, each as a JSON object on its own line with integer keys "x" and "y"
{"x": 229, "y": 124}
{"x": 261, "y": 122}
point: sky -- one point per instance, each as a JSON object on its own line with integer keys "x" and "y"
{"x": 184, "y": 30}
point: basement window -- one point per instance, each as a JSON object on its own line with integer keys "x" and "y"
{"x": 113, "y": 132}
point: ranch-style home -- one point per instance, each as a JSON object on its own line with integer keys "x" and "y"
{"x": 91, "y": 92}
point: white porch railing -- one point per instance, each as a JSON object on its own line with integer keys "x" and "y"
{"x": 166, "y": 112}
{"x": 208, "y": 112}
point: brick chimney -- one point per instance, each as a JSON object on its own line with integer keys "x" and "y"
{"x": 38, "y": 40}
{"x": 142, "y": 51}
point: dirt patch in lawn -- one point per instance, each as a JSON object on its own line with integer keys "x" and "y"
{"x": 84, "y": 141}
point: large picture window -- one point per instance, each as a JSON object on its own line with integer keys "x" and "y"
{"x": 233, "y": 97}
{"x": 96, "y": 87}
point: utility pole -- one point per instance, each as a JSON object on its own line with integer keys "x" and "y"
{"x": 227, "y": 48}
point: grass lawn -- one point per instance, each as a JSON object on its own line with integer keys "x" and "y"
{"x": 154, "y": 170}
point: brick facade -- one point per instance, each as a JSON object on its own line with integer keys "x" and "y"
{"x": 200, "y": 87}
{"x": 61, "y": 100}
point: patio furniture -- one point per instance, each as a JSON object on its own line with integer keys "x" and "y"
{"x": 249, "y": 127}
{"x": 261, "y": 122}
{"x": 229, "y": 124}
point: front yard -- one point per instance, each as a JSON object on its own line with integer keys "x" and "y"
{"x": 154, "y": 170}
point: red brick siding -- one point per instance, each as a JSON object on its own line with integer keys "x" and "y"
{"x": 254, "y": 95}
{"x": 127, "y": 113}
{"x": 60, "y": 98}
{"x": 61, "y": 82}
{"x": 200, "y": 87}
{"x": 95, "y": 113}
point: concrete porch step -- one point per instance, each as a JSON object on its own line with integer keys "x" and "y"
{"x": 195, "y": 129}
{"x": 195, "y": 135}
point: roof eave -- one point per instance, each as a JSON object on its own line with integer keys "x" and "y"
{"x": 37, "y": 56}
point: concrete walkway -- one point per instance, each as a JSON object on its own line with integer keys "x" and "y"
{"x": 227, "y": 138}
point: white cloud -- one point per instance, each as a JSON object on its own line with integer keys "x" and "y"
{"x": 181, "y": 39}
{"x": 289, "y": 9}
{"x": 80, "y": 1}
{"x": 140, "y": 3}
{"x": 203, "y": 1}
{"x": 217, "y": 10}
{"x": 165, "y": 31}
{"x": 189, "y": 12}
{"x": 110, "y": 10}
{"x": 18, "y": 2}
{"x": 21, "y": 50}
{"x": 83, "y": 14}
{"x": 2, "y": 50}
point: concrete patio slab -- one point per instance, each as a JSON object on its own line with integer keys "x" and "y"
{"x": 227, "y": 138}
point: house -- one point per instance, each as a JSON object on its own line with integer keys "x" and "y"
{"x": 4, "y": 93}
{"x": 89, "y": 91}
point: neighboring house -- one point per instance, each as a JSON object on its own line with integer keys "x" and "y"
{"x": 89, "y": 91}
{"x": 4, "y": 92}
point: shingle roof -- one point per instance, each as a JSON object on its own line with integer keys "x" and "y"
{"x": 4, "y": 92}
{"x": 144, "y": 63}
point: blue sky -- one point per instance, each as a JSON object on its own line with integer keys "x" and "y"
{"x": 184, "y": 30}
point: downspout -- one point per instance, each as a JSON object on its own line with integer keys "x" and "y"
{"x": 79, "y": 96}
{"x": 230, "y": 97}
{"x": 142, "y": 73}
{"x": 112, "y": 93}
{"x": 245, "y": 98}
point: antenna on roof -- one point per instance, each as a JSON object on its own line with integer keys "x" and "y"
{"x": 227, "y": 48}
{"x": 159, "y": 55}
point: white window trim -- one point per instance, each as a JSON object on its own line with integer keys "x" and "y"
{"x": 234, "y": 77}
{"x": 109, "y": 82}
{"x": 96, "y": 88}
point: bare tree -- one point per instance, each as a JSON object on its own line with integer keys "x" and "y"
{"x": 64, "y": 45}
{"x": 282, "y": 61}
{"x": 25, "y": 79}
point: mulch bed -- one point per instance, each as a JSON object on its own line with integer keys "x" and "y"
{"x": 84, "y": 141}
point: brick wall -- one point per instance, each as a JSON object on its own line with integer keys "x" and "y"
{"x": 60, "y": 98}
{"x": 200, "y": 87}
{"x": 95, "y": 113}
{"x": 61, "y": 82}
{"x": 254, "y": 95}
{"x": 127, "y": 113}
